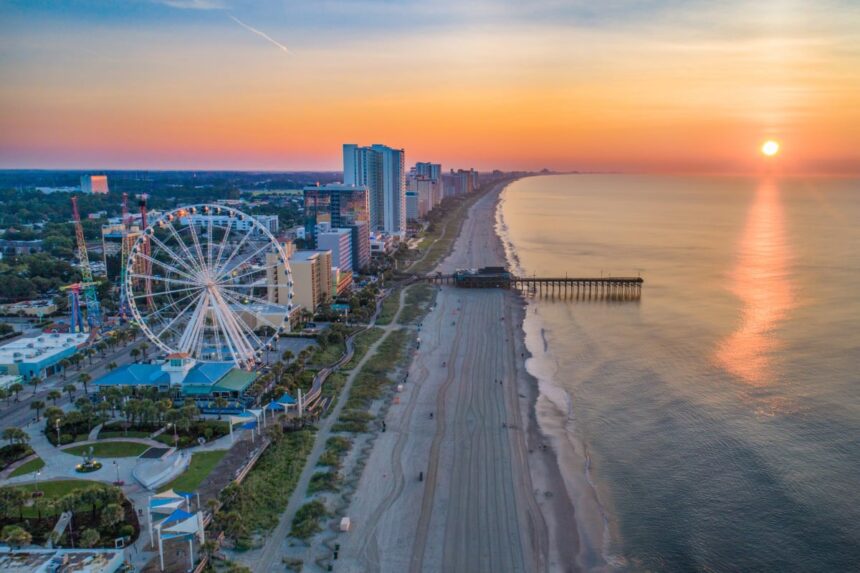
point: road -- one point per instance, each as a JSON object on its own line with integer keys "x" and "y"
{"x": 19, "y": 414}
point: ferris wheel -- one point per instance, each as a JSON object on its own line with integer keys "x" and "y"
{"x": 211, "y": 282}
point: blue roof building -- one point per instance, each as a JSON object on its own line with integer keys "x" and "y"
{"x": 200, "y": 381}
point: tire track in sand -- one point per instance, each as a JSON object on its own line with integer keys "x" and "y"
{"x": 420, "y": 544}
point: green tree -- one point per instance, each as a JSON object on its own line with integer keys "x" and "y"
{"x": 112, "y": 514}
{"x": 220, "y": 403}
{"x": 16, "y": 388}
{"x": 16, "y": 536}
{"x": 4, "y": 395}
{"x": 84, "y": 379}
{"x": 70, "y": 389}
{"x": 16, "y": 436}
{"x": 34, "y": 382}
{"x": 54, "y": 395}
{"x": 143, "y": 348}
{"x": 64, "y": 363}
{"x": 135, "y": 353}
{"x": 38, "y": 406}
{"x": 111, "y": 366}
{"x": 52, "y": 414}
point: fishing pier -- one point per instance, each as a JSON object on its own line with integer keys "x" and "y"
{"x": 584, "y": 288}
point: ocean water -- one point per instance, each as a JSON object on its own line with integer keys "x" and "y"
{"x": 721, "y": 412}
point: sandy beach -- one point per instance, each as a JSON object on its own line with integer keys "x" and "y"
{"x": 463, "y": 479}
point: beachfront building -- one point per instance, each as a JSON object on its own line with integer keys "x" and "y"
{"x": 425, "y": 179}
{"x": 339, "y": 242}
{"x": 460, "y": 182}
{"x": 97, "y": 184}
{"x": 381, "y": 169}
{"x": 187, "y": 379}
{"x": 40, "y": 355}
{"x": 412, "y": 208}
{"x": 341, "y": 207}
{"x": 341, "y": 281}
{"x": 311, "y": 272}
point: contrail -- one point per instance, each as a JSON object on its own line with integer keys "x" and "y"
{"x": 260, "y": 33}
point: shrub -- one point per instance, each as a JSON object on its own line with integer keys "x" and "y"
{"x": 307, "y": 520}
{"x": 324, "y": 481}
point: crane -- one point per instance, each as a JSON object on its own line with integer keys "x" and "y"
{"x": 145, "y": 247}
{"x": 123, "y": 273}
{"x": 89, "y": 287}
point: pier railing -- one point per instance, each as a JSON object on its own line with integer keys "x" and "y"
{"x": 581, "y": 288}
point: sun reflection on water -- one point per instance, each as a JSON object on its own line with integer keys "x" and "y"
{"x": 762, "y": 283}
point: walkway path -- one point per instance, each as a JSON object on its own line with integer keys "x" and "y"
{"x": 273, "y": 550}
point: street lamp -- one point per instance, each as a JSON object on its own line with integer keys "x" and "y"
{"x": 57, "y": 425}
{"x": 116, "y": 465}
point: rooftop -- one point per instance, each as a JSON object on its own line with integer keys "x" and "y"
{"x": 40, "y": 347}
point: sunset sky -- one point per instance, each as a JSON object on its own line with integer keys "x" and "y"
{"x": 646, "y": 85}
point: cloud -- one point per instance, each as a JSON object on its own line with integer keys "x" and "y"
{"x": 194, "y": 4}
{"x": 260, "y": 33}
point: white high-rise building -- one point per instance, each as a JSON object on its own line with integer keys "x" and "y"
{"x": 339, "y": 242}
{"x": 382, "y": 170}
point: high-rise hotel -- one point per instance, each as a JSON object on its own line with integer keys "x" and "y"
{"x": 382, "y": 170}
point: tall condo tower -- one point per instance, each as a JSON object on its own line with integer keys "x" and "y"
{"x": 382, "y": 170}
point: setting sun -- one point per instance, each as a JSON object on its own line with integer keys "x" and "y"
{"x": 770, "y": 148}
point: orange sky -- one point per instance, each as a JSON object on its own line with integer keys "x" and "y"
{"x": 681, "y": 87}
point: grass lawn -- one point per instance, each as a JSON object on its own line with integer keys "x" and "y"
{"x": 329, "y": 356}
{"x": 27, "y": 468}
{"x": 362, "y": 342}
{"x": 58, "y": 488}
{"x": 389, "y": 308}
{"x": 202, "y": 464}
{"x": 103, "y": 435}
{"x": 110, "y": 449}
{"x": 418, "y": 298}
{"x": 54, "y": 490}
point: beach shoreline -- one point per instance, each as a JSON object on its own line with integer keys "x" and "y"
{"x": 464, "y": 479}
{"x": 551, "y": 422}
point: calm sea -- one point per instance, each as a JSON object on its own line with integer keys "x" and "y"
{"x": 722, "y": 410}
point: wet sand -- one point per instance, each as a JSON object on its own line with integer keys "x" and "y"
{"x": 475, "y": 486}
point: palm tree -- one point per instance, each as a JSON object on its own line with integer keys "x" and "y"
{"x": 90, "y": 352}
{"x": 15, "y": 435}
{"x": 220, "y": 403}
{"x": 4, "y": 394}
{"x": 84, "y": 379}
{"x": 16, "y": 388}
{"x": 287, "y": 356}
{"x": 54, "y": 395}
{"x": 111, "y": 366}
{"x": 64, "y": 363}
{"x": 52, "y": 414}
{"x": 34, "y": 382}
{"x": 70, "y": 389}
{"x": 103, "y": 407}
{"x": 135, "y": 352}
{"x": 143, "y": 348}
{"x": 37, "y": 405}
